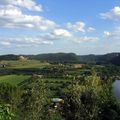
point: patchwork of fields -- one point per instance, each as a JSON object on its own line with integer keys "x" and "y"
{"x": 57, "y": 77}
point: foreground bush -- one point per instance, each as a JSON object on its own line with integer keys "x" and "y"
{"x": 6, "y": 113}
{"x": 34, "y": 101}
{"x": 91, "y": 100}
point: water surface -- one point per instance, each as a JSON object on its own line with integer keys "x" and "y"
{"x": 116, "y": 89}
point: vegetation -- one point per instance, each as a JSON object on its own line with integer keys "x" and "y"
{"x": 111, "y": 58}
{"x": 20, "y": 64}
{"x": 13, "y": 79}
{"x": 90, "y": 101}
{"x": 5, "y": 113}
{"x": 34, "y": 100}
{"x": 82, "y": 91}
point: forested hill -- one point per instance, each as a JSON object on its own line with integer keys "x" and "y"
{"x": 57, "y": 57}
{"x": 111, "y": 58}
{"x": 9, "y": 57}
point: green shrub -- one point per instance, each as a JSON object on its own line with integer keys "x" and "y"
{"x": 91, "y": 101}
{"x": 5, "y": 112}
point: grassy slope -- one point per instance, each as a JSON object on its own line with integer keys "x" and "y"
{"x": 13, "y": 79}
{"x": 24, "y": 64}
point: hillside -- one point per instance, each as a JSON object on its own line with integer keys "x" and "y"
{"x": 57, "y": 57}
{"x": 110, "y": 58}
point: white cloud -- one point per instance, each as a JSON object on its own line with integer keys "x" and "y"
{"x": 12, "y": 17}
{"x": 113, "y": 36}
{"x": 91, "y": 29}
{"x": 107, "y": 34}
{"x": 5, "y": 43}
{"x": 25, "y": 41}
{"x": 112, "y": 40}
{"x": 61, "y": 33}
{"x": 47, "y": 39}
{"x": 28, "y": 4}
{"x": 78, "y": 26}
{"x": 113, "y": 14}
{"x": 85, "y": 39}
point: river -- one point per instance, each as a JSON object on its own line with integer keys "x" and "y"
{"x": 116, "y": 89}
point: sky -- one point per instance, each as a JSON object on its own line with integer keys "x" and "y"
{"x": 51, "y": 26}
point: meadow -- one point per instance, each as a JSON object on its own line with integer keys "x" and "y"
{"x": 13, "y": 79}
{"x": 19, "y": 64}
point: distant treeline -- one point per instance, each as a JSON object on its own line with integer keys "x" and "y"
{"x": 111, "y": 58}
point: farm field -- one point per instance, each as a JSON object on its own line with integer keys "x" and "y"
{"x": 17, "y": 64}
{"x": 13, "y": 79}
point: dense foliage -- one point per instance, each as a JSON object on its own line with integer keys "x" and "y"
{"x": 35, "y": 98}
{"x": 5, "y": 112}
{"x": 91, "y": 101}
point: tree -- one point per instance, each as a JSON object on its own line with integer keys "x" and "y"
{"x": 34, "y": 101}
{"x": 9, "y": 95}
{"x": 91, "y": 100}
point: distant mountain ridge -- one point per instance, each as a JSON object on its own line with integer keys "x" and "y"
{"x": 110, "y": 58}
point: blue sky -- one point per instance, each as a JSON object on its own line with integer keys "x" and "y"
{"x": 50, "y": 26}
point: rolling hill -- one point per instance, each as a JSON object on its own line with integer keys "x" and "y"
{"x": 110, "y": 58}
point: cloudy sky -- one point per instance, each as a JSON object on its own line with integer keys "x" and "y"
{"x": 50, "y": 26}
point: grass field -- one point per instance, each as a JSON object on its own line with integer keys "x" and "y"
{"x": 13, "y": 79}
{"x": 24, "y": 64}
